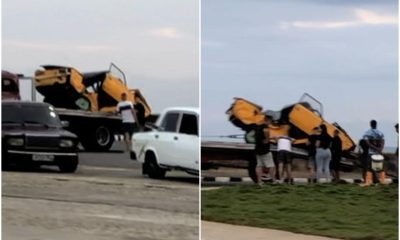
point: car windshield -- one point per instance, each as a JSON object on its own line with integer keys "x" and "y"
{"x": 29, "y": 114}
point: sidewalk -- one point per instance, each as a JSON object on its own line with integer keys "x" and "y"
{"x": 217, "y": 231}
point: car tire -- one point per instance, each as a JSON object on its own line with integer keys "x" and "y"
{"x": 68, "y": 166}
{"x": 151, "y": 167}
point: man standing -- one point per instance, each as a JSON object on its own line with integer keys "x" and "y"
{"x": 375, "y": 141}
{"x": 140, "y": 114}
{"x": 284, "y": 157}
{"x": 128, "y": 114}
{"x": 397, "y": 130}
{"x": 312, "y": 151}
{"x": 263, "y": 155}
{"x": 336, "y": 149}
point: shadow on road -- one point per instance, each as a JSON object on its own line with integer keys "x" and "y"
{"x": 194, "y": 180}
{"x": 36, "y": 169}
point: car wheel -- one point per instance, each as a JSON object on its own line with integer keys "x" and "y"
{"x": 152, "y": 168}
{"x": 68, "y": 166}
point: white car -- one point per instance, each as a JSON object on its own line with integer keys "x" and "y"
{"x": 173, "y": 144}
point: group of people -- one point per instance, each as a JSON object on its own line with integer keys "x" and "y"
{"x": 324, "y": 154}
{"x": 282, "y": 164}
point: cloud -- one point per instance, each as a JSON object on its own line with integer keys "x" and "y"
{"x": 167, "y": 32}
{"x": 369, "y": 17}
{"x": 59, "y": 46}
{"x": 362, "y": 17}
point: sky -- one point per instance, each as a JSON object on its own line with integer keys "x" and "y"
{"x": 155, "y": 43}
{"x": 343, "y": 53}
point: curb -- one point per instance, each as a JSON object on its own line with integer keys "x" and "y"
{"x": 295, "y": 180}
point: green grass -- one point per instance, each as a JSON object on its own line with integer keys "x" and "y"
{"x": 341, "y": 211}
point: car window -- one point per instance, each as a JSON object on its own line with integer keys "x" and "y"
{"x": 35, "y": 114}
{"x": 189, "y": 124}
{"x": 170, "y": 122}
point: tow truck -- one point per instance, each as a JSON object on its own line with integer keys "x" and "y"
{"x": 85, "y": 100}
{"x": 296, "y": 120}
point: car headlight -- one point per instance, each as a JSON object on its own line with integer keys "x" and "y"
{"x": 15, "y": 141}
{"x": 66, "y": 143}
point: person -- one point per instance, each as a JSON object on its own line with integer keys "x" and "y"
{"x": 397, "y": 130}
{"x": 323, "y": 154}
{"x": 375, "y": 141}
{"x": 128, "y": 114}
{"x": 312, "y": 150}
{"x": 140, "y": 114}
{"x": 262, "y": 152}
{"x": 397, "y": 148}
{"x": 336, "y": 150}
{"x": 284, "y": 156}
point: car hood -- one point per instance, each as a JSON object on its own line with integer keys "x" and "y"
{"x": 36, "y": 131}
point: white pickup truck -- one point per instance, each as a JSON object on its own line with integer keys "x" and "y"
{"x": 173, "y": 144}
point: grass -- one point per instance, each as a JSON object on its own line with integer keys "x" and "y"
{"x": 341, "y": 211}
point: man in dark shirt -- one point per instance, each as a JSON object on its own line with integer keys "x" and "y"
{"x": 262, "y": 152}
{"x": 312, "y": 139}
{"x": 140, "y": 112}
{"x": 336, "y": 150}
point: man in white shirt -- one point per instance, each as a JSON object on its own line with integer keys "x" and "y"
{"x": 129, "y": 118}
{"x": 284, "y": 156}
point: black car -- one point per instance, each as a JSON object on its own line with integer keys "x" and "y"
{"x": 32, "y": 134}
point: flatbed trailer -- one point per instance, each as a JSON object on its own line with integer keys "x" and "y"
{"x": 215, "y": 154}
{"x": 95, "y": 130}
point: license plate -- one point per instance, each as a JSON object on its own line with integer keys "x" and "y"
{"x": 39, "y": 157}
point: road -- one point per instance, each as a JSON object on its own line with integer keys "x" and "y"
{"x": 107, "y": 198}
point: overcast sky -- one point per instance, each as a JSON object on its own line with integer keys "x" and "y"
{"x": 156, "y": 43}
{"x": 344, "y": 53}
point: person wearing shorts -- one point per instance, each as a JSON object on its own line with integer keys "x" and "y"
{"x": 262, "y": 152}
{"x": 128, "y": 114}
{"x": 284, "y": 156}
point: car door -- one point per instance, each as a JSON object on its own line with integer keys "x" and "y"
{"x": 165, "y": 139}
{"x": 187, "y": 141}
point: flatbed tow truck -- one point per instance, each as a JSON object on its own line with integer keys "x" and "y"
{"x": 85, "y": 100}
{"x": 296, "y": 120}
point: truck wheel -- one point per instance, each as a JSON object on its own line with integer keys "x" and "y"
{"x": 251, "y": 168}
{"x": 104, "y": 137}
{"x": 68, "y": 166}
{"x": 152, "y": 168}
{"x": 98, "y": 139}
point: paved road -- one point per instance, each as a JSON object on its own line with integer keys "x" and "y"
{"x": 107, "y": 198}
{"x": 216, "y": 231}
